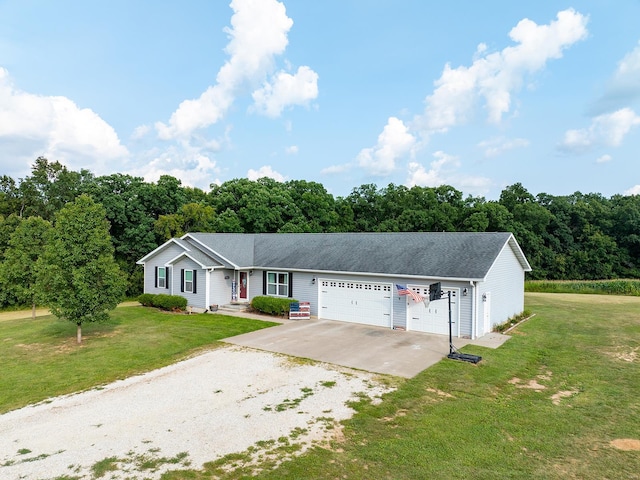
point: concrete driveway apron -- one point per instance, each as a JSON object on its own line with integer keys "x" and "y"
{"x": 374, "y": 349}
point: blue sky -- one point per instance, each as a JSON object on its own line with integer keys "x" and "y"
{"x": 477, "y": 95}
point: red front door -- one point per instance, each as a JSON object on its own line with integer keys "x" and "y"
{"x": 243, "y": 285}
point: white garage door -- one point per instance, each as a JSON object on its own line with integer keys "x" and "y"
{"x": 432, "y": 317}
{"x": 357, "y": 302}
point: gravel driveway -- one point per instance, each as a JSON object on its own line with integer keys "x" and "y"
{"x": 186, "y": 414}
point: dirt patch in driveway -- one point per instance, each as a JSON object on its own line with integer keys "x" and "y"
{"x": 221, "y": 402}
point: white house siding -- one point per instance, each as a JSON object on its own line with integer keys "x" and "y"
{"x": 160, "y": 260}
{"x": 198, "y": 299}
{"x": 505, "y": 285}
{"x": 219, "y": 287}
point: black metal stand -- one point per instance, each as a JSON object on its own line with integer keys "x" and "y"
{"x": 453, "y": 353}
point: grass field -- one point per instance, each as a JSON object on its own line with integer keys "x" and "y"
{"x": 560, "y": 399}
{"x": 40, "y": 358}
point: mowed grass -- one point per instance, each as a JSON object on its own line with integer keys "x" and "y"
{"x": 549, "y": 404}
{"x": 40, "y": 359}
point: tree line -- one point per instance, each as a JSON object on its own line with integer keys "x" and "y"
{"x": 576, "y": 236}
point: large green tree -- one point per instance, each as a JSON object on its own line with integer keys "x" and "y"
{"x": 18, "y": 272}
{"x": 78, "y": 278}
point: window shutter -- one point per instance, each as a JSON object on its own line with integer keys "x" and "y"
{"x": 290, "y": 284}
{"x": 182, "y": 280}
{"x": 166, "y": 277}
{"x": 264, "y": 282}
{"x": 194, "y": 282}
{"x": 156, "y": 284}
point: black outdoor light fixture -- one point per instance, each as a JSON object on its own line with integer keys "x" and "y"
{"x": 436, "y": 293}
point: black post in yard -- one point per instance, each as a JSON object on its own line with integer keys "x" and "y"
{"x": 450, "y": 327}
{"x": 453, "y": 353}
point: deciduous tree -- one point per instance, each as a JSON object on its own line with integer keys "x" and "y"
{"x": 18, "y": 272}
{"x": 78, "y": 278}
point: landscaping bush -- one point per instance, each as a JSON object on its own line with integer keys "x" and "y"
{"x": 163, "y": 301}
{"x": 170, "y": 302}
{"x": 146, "y": 299}
{"x": 272, "y": 305}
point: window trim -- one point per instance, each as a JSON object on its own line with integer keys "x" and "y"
{"x": 188, "y": 284}
{"x": 278, "y": 286}
{"x": 162, "y": 277}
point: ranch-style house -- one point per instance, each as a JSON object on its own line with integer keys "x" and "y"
{"x": 379, "y": 279}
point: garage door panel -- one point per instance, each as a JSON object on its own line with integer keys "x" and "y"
{"x": 432, "y": 317}
{"x": 357, "y": 302}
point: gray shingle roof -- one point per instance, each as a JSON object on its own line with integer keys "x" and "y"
{"x": 463, "y": 255}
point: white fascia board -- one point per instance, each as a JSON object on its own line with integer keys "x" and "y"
{"x": 236, "y": 267}
{"x": 519, "y": 253}
{"x": 367, "y": 274}
{"x": 161, "y": 247}
{"x": 186, "y": 254}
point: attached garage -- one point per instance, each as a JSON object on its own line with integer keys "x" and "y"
{"x": 433, "y": 317}
{"x": 368, "y": 303}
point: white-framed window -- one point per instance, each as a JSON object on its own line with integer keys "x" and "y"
{"x": 162, "y": 277}
{"x": 278, "y": 284}
{"x": 188, "y": 281}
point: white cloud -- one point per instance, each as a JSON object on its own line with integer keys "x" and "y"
{"x": 494, "y": 77}
{"x": 394, "y": 142}
{"x": 608, "y": 129}
{"x": 626, "y": 80}
{"x": 265, "y": 171}
{"x": 444, "y": 170}
{"x": 604, "y": 158}
{"x": 336, "y": 169}
{"x": 291, "y": 150}
{"x": 497, "y": 146}
{"x": 140, "y": 132}
{"x": 257, "y": 35}
{"x": 190, "y": 164}
{"x": 624, "y": 87}
{"x": 436, "y": 175}
{"x": 285, "y": 90}
{"x": 635, "y": 190}
{"x": 54, "y": 127}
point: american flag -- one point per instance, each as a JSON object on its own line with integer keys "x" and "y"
{"x": 407, "y": 291}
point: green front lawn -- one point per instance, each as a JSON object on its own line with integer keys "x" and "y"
{"x": 554, "y": 402}
{"x": 546, "y": 405}
{"x": 40, "y": 358}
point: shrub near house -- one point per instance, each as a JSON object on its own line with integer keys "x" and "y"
{"x": 163, "y": 302}
{"x": 272, "y": 305}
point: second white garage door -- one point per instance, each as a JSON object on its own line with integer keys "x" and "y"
{"x": 357, "y": 302}
{"x": 434, "y": 316}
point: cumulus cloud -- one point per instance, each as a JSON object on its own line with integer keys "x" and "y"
{"x": 259, "y": 32}
{"x": 336, "y": 169}
{"x": 394, "y": 142}
{"x": 193, "y": 167}
{"x": 55, "y": 127}
{"x": 285, "y": 90}
{"x": 624, "y": 87}
{"x": 497, "y": 146}
{"x": 494, "y": 77}
{"x": 604, "y": 158}
{"x": 445, "y": 170}
{"x": 608, "y": 129}
{"x": 436, "y": 174}
{"x": 635, "y": 190}
{"x": 265, "y": 171}
{"x": 291, "y": 150}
